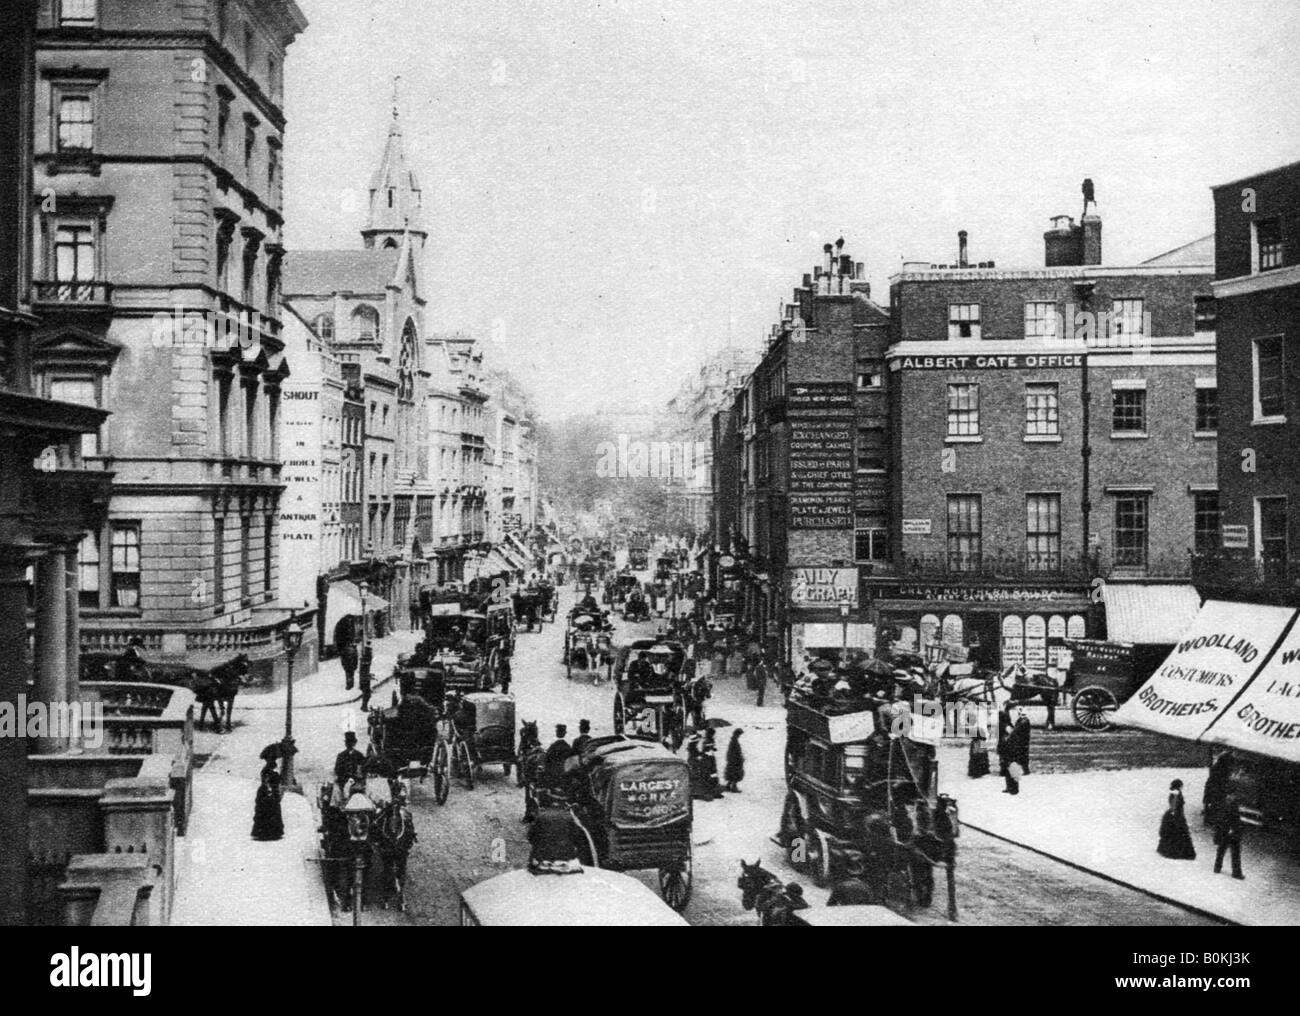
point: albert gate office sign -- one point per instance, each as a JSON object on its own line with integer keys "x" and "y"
{"x": 823, "y": 587}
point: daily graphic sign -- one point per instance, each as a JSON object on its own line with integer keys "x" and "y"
{"x": 1222, "y": 650}
{"x": 821, "y": 455}
{"x": 823, "y": 587}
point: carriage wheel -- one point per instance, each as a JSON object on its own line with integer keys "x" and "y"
{"x": 1093, "y": 708}
{"x": 620, "y": 713}
{"x": 441, "y": 773}
{"x": 791, "y": 833}
{"x": 465, "y": 764}
{"x": 675, "y": 884}
{"x": 819, "y": 857}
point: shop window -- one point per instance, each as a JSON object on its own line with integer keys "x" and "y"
{"x": 1013, "y": 641}
{"x": 953, "y": 630}
{"x": 929, "y": 630}
{"x": 1076, "y": 627}
{"x": 1036, "y": 642}
{"x": 1056, "y": 634}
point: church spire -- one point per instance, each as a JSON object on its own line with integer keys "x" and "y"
{"x": 396, "y": 204}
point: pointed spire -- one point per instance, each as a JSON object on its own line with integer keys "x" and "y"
{"x": 396, "y": 203}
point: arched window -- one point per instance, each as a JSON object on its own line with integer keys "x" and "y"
{"x": 1076, "y": 627}
{"x": 407, "y": 363}
{"x": 1013, "y": 640}
{"x": 1055, "y": 635}
{"x": 952, "y": 630}
{"x": 324, "y": 325}
{"x": 365, "y": 324}
{"x": 929, "y": 630}
{"x": 1036, "y": 642}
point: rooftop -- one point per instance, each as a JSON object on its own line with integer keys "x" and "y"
{"x": 325, "y": 272}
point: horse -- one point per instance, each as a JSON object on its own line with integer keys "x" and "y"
{"x": 216, "y": 691}
{"x": 531, "y": 758}
{"x": 1018, "y": 684}
{"x": 393, "y": 836}
{"x": 762, "y": 891}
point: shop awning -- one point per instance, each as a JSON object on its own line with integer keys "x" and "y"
{"x": 517, "y": 545}
{"x": 1149, "y": 615}
{"x": 1233, "y": 679}
{"x": 345, "y": 601}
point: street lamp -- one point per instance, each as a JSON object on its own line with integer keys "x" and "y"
{"x": 359, "y": 810}
{"x": 365, "y": 618}
{"x": 291, "y": 637}
{"x": 844, "y": 629}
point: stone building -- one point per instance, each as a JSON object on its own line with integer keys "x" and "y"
{"x": 157, "y": 232}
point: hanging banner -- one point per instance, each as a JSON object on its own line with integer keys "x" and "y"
{"x": 1216, "y": 657}
{"x": 1265, "y": 717}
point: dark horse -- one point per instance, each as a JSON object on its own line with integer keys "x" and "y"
{"x": 531, "y": 757}
{"x": 763, "y": 891}
{"x": 215, "y": 692}
{"x": 393, "y": 835}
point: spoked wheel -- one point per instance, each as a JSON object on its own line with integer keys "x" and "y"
{"x": 620, "y": 712}
{"x": 464, "y": 764}
{"x": 441, "y": 773}
{"x": 791, "y": 824}
{"x": 1093, "y": 709}
{"x": 818, "y": 852}
{"x": 675, "y": 885}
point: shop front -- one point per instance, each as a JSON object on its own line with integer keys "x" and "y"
{"x": 825, "y": 614}
{"x": 998, "y": 627}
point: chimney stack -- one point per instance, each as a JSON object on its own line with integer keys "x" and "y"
{"x": 1091, "y": 226}
{"x": 961, "y": 249}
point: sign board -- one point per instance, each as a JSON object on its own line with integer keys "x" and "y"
{"x": 820, "y": 587}
{"x": 1209, "y": 667}
{"x": 850, "y": 727}
{"x": 1013, "y": 361}
{"x": 821, "y": 455}
{"x": 977, "y": 594}
{"x": 821, "y": 511}
{"x": 820, "y": 399}
{"x": 1265, "y": 718}
{"x": 1236, "y": 537}
{"x": 916, "y": 527}
{"x": 726, "y": 561}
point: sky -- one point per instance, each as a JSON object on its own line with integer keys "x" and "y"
{"x": 615, "y": 190}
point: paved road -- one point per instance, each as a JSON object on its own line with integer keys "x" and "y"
{"x": 478, "y": 833}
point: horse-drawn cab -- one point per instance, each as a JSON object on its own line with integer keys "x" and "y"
{"x": 665, "y": 565}
{"x": 589, "y": 642}
{"x": 651, "y": 700}
{"x": 389, "y": 839}
{"x": 852, "y": 762}
{"x": 528, "y": 607}
{"x": 482, "y": 733}
{"x": 632, "y": 803}
{"x": 620, "y": 587}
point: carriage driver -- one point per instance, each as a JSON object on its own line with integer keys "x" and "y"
{"x": 349, "y": 763}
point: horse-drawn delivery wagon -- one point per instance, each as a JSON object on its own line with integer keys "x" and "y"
{"x": 588, "y": 642}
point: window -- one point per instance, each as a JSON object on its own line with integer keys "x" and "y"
{"x": 268, "y": 555}
{"x": 1131, "y": 528}
{"x": 74, "y": 262}
{"x": 1043, "y": 532}
{"x": 273, "y": 75}
{"x": 250, "y": 421}
{"x": 219, "y": 561}
{"x": 964, "y": 532}
{"x": 1207, "y": 410}
{"x": 272, "y": 167}
{"x": 125, "y": 545}
{"x": 1042, "y": 412}
{"x": 871, "y": 543}
{"x": 76, "y": 124}
{"x": 248, "y": 289}
{"x": 273, "y": 423}
{"x": 249, "y": 42}
{"x": 1127, "y": 321}
{"x": 224, "y": 236}
{"x": 1040, "y": 321}
{"x": 223, "y": 415}
{"x": 82, "y": 393}
{"x": 964, "y": 321}
{"x": 325, "y": 327}
{"x": 1128, "y": 411}
{"x": 77, "y": 13}
{"x": 88, "y": 571}
{"x": 871, "y": 374}
{"x": 250, "y": 145}
{"x": 273, "y": 286}
{"x": 223, "y": 120}
{"x": 1270, "y": 394}
{"x": 1206, "y": 519}
{"x": 1271, "y": 513}
{"x": 245, "y": 558}
{"x": 223, "y": 18}
{"x": 365, "y": 324}
{"x": 873, "y": 453}
{"x": 1204, "y": 313}
{"x": 1268, "y": 243}
{"x": 963, "y": 410}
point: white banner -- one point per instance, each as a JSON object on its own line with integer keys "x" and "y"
{"x": 1217, "y": 655}
{"x": 1265, "y": 718}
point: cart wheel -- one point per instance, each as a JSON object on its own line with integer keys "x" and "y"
{"x": 789, "y": 834}
{"x": 1093, "y": 708}
{"x": 464, "y": 765}
{"x": 441, "y": 773}
{"x": 619, "y": 712}
{"x": 818, "y": 852}
{"x": 675, "y": 885}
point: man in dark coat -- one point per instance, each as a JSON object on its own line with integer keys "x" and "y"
{"x": 349, "y": 762}
{"x": 1217, "y": 785}
{"x": 1227, "y": 834}
{"x": 348, "y": 656}
{"x": 556, "y": 756}
{"x": 554, "y": 840}
{"x": 734, "y": 770}
{"x": 130, "y": 666}
{"x": 584, "y": 735}
{"x": 1020, "y": 740}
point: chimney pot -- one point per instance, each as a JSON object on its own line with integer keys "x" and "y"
{"x": 961, "y": 248}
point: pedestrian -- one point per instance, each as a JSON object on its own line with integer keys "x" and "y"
{"x": 1217, "y": 785}
{"x": 1227, "y": 834}
{"x": 584, "y": 735}
{"x": 1175, "y": 837}
{"x": 349, "y": 762}
{"x": 268, "y": 823}
{"x": 734, "y": 771}
{"x": 1020, "y": 735}
{"x": 760, "y": 679}
{"x": 348, "y": 654}
{"x": 709, "y": 765}
{"x": 553, "y": 765}
{"x": 1006, "y": 754}
{"x": 978, "y": 765}
{"x": 366, "y": 661}
{"x": 504, "y": 674}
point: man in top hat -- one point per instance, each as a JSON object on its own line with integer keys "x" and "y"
{"x": 349, "y": 762}
{"x": 553, "y": 764}
{"x": 584, "y": 735}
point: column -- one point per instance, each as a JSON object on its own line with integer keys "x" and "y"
{"x": 51, "y": 641}
{"x": 73, "y": 625}
{"x": 13, "y": 750}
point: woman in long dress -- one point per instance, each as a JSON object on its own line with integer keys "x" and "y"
{"x": 268, "y": 824}
{"x": 1175, "y": 837}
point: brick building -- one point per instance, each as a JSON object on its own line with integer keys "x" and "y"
{"x": 157, "y": 227}
{"x": 1257, "y": 291}
{"x": 1050, "y": 427}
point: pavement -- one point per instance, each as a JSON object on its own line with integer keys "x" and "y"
{"x": 1108, "y": 823}
{"x": 223, "y": 875}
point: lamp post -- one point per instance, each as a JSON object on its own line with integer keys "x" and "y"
{"x": 359, "y": 810}
{"x": 365, "y": 617}
{"x": 844, "y": 630}
{"x": 291, "y": 637}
